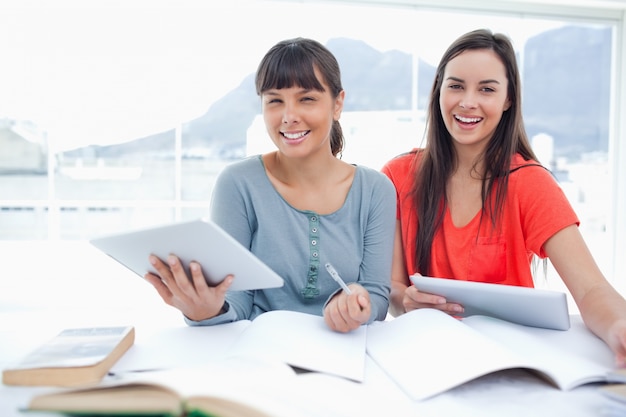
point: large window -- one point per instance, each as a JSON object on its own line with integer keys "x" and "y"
{"x": 115, "y": 116}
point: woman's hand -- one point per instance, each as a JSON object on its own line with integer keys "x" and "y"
{"x": 414, "y": 299}
{"x": 346, "y": 312}
{"x": 617, "y": 341}
{"x": 404, "y": 296}
{"x": 601, "y": 306}
{"x": 193, "y": 297}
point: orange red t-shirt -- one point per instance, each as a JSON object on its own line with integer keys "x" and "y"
{"x": 534, "y": 210}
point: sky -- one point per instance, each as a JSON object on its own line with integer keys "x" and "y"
{"x": 107, "y": 71}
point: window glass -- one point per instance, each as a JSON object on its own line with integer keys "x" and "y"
{"x": 116, "y": 116}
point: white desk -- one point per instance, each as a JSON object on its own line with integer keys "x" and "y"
{"x": 48, "y": 286}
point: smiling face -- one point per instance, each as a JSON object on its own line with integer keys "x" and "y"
{"x": 299, "y": 120}
{"x": 473, "y": 97}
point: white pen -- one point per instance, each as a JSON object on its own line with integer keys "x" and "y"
{"x": 337, "y": 278}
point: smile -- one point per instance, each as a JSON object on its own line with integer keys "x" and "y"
{"x": 295, "y": 136}
{"x": 467, "y": 119}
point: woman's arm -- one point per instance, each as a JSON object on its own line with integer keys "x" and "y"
{"x": 370, "y": 298}
{"x": 601, "y": 307}
{"x": 375, "y": 268}
{"x": 228, "y": 210}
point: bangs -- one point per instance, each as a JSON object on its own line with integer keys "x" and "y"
{"x": 292, "y": 67}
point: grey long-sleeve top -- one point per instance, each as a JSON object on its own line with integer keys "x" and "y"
{"x": 357, "y": 240}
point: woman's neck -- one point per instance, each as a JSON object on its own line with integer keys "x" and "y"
{"x": 321, "y": 187}
{"x": 302, "y": 172}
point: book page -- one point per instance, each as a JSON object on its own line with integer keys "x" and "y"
{"x": 571, "y": 358}
{"x": 331, "y": 396}
{"x": 181, "y": 346}
{"x": 213, "y": 378}
{"x": 305, "y": 341}
{"x": 427, "y": 352}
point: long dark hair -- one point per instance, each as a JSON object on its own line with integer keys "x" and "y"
{"x": 438, "y": 158}
{"x": 293, "y": 62}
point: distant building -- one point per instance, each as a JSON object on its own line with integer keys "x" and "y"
{"x": 23, "y": 149}
{"x": 543, "y": 146}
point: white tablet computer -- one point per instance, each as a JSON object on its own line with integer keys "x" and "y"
{"x": 201, "y": 240}
{"x": 523, "y": 305}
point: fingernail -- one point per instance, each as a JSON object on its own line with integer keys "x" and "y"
{"x": 171, "y": 260}
{"x": 152, "y": 259}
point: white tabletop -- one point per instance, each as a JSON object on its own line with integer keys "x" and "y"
{"x": 48, "y": 286}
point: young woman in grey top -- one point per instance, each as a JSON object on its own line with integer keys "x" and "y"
{"x": 297, "y": 208}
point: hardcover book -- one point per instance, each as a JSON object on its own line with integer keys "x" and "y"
{"x": 73, "y": 357}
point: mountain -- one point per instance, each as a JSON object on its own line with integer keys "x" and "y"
{"x": 575, "y": 112}
{"x": 373, "y": 80}
{"x": 569, "y": 102}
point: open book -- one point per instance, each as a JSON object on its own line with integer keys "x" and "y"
{"x": 617, "y": 387}
{"x": 427, "y": 352}
{"x": 225, "y": 388}
{"x": 232, "y": 387}
{"x": 304, "y": 341}
{"x": 298, "y": 339}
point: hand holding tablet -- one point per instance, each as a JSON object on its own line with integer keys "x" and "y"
{"x": 522, "y": 305}
{"x": 202, "y": 241}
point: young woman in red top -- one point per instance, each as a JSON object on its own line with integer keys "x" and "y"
{"x": 475, "y": 204}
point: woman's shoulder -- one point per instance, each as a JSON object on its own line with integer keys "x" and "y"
{"x": 247, "y": 162}
{"x": 538, "y": 194}
{"x": 246, "y": 172}
{"x": 371, "y": 182}
{"x": 370, "y": 175}
{"x": 401, "y": 162}
{"x": 530, "y": 180}
{"x": 246, "y": 165}
{"x": 399, "y": 169}
{"x": 528, "y": 168}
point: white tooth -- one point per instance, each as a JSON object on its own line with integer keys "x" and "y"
{"x": 294, "y": 135}
{"x": 468, "y": 119}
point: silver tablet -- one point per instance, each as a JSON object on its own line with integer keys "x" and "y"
{"x": 201, "y": 240}
{"x": 523, "y": 305}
